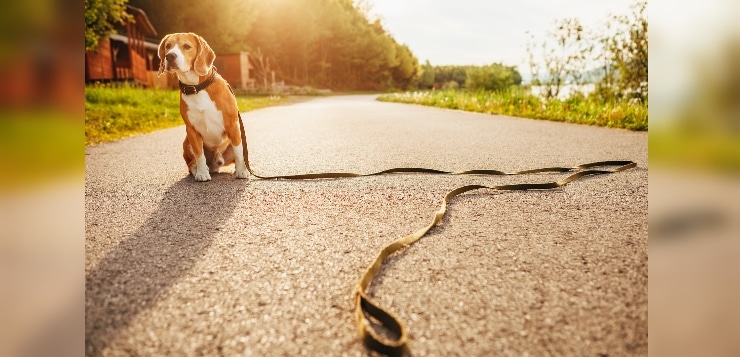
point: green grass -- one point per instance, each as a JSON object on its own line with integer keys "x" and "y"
{"x": 116, "y": 112}
{"x": 699, "y": 148}
{"x": 518, "y": 103}
{"x": 38, "y": 146}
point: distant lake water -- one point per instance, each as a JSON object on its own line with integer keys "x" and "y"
{"x": 565, "y": 90}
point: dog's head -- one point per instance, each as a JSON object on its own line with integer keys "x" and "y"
{"x": 182, "y": 52}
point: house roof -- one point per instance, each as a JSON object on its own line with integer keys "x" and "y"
{"x": 124, "y": 39}
{"x": 142, "y": 20}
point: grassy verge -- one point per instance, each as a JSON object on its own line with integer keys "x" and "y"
{"x": 522, "y": 104}
{"x": 37, "y": 147}
{"x": 698, "y": 148}
{"x": 116, "y": 112}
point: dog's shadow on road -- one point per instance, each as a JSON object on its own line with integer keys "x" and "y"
{"x": 140, "y": 270}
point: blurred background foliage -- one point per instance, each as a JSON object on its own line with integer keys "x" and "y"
{"x": 696, "y": 80}
{"x": 321, "y": 43}
{"x": 101, "y": 17}
{"x": 612, "y": 57}
{"x": 595, "y": 76}
{"x": 41, "y": 107}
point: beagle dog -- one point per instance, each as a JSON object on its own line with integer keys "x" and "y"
{"x": 207, "y": 105}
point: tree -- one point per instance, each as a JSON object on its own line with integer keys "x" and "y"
{"x": 225, "y": 35}
{"x": 427, "y": 76}
{"x": 494, "y": 77}
{"x": 615, "y": 58}
{"x": 446, "y": 74}
{"x": 327, "y": 43}
{"x": 564, "y": 57}
{"x": 628, "y": 50}
{"x": 405, "y": 74}
{"x": 101, "y": 17}
{"x": 605, "y": 87}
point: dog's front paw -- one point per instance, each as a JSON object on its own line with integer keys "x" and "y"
{"x": 202, "y": 176}
{"x": 200, "y": 170}
{"x": 241, "y": 173}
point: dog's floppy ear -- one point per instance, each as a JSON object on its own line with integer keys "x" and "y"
{"x": 205, "y": 57}
{"x": 161, "y": 54}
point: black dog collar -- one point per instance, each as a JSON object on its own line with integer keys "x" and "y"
{"x": 194, "y": 89}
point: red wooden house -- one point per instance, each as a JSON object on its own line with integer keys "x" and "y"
{"x": 131, "y": 56}
{"x": 127, "y": 56}
{"x": 235, "y": 68}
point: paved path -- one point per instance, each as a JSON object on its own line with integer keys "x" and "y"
{"x": 253, "y": 267}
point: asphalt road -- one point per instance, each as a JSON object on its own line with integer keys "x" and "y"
{"x": 265, "y": 267}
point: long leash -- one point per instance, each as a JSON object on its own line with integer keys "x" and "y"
{"x": 371, "y": 317}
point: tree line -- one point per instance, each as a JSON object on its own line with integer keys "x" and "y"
{"x": 336, "y": 44}
{"x": 493, "y": 77}
{"x": 320, "y": 43}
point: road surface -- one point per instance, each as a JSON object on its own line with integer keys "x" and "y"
{"x": 264, "y": 267}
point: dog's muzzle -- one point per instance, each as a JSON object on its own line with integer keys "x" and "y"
{"x": 171, "y": 61}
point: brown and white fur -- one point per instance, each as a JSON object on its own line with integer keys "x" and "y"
{"x": 213, "y": 137}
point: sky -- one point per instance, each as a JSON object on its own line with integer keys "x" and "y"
{"x": 481, "y": 32}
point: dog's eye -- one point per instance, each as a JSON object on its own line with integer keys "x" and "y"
{"x": 186, "y": 46}
{"x": 168, "y": 46}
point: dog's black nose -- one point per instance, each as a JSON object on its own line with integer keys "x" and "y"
{"x": 170, "y": 57}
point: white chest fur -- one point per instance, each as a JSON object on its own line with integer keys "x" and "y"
{"x": 206, "y": 118}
